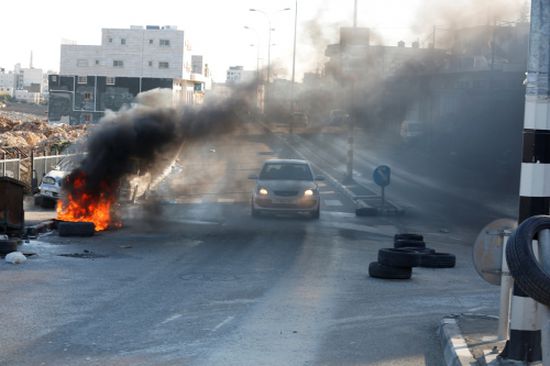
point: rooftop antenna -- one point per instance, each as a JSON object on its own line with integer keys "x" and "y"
{"x": 30, "y": 64}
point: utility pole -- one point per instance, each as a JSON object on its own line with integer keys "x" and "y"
{"x": 350, "y": 120}
{"x": 524, "y": 343}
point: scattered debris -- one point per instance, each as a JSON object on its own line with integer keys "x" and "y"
{"x": 87, "y": 254}
{"x": 16, "y": 258}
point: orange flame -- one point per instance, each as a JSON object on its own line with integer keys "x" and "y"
{"x": 83, "y": 207}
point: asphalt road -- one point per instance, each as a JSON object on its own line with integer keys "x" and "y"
{"x": 194, "y": 280}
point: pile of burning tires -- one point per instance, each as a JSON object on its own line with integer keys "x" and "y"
{"x": 409, "y": 250}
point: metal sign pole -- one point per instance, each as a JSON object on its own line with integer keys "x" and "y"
{"x": 544, "y": 257}
{"x": 524, "y": 343}
{"x": 506, "y": 284}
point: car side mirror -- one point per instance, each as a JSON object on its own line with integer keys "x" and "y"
{"x": 253, "y": 176}
{"x": 320, "y": 178}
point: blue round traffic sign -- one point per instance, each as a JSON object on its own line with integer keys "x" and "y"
{"x": 381, "y": 175}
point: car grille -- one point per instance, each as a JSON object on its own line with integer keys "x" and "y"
{"x": 286, "y": 193}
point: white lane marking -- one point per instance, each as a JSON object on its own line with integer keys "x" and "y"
{"x": 227, "y": 320}
{"x": 321, "y": 184}
{"x": 234, "y": 302}
{"x": 226, "y": 200}
{"x": 333, "y": 203}
{"x": 327, "y": 192}
{"x": 196, "y": 200}
{"x": 387, "y": 230}
{"x": 198, "y": 222}
{"x": 171, "y": 319}
{"x": 338, "y": 214}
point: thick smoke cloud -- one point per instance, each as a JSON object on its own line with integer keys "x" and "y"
{"x": 134, "y": 141}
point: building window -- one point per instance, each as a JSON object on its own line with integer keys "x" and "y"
{"x": 118, "y": 63}
{"x": 110, "y": 81}
{"x": 150, "y": 63}
{"x": 150, "y": 41}
{"x": 82, "y": 80}
{"x": 164, "y": 43}
{"x": 54, "y": 78}
{"x": 97, "y": 62}
{"x": 123, "y": 41}
{"x": 87, "y": 96}
{"x": 110, "y": 40}
{"x": 87, "y": 117}
{"x": 163, "y": 65}
{"x": 82, "y": 62}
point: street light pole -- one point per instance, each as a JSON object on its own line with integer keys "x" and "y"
{"x": 257, "y": 50}
{"x": 267, "y": 16}
{"x": 294, "y": 58}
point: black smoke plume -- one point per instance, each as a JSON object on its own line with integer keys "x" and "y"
{"x": 133, "y": 141}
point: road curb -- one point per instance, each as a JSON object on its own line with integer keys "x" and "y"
{"x": 455, "y": 348}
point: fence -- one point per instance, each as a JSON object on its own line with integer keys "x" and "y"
{"x": 31, "y": 169}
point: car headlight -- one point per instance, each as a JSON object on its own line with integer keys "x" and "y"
{"x": 308, "y": 192}
{"x": 263, "y": 192}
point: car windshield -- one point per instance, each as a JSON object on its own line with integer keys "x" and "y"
{"x": 286, "y": 171}
{"x": 48, "y": 180}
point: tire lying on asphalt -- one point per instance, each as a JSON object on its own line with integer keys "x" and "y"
{"x": 408, "y": 236}
{"x": 399, "y": 257}
{"x": 404, "y": 243}
{"x": 527, "y": 271}
{"x": 66, "y": 228}
{"x": 438, "y": 260}
{"x": 387, "y": 272}
{"x": 8, "y": 246}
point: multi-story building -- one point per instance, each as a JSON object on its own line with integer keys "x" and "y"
{"x": 94, "y": 78}
{"x": 7, "y": 83}
{"x": 151, "y": 51}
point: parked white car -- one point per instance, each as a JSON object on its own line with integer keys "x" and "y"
{"x": 50, "y": 187}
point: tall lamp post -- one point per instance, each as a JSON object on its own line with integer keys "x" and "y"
{"x": 294, "y": 58}
{"x": 267, "y": 16}
{"x": 257, "y": 50}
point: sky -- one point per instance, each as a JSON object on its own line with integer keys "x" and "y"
{"x": 214, "y": 29}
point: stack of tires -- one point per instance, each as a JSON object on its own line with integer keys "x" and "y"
{"x": 409, "y": 250}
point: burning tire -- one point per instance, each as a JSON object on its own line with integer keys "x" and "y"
{"x": 404, "y": 243}
{"x": 378, "y": 270}
{"x": 8, "y": 246}
{"x": 399, "y": 257}
{"x": 408, "y": 236}
{"x": 438, "y": 260}
{"x": 75, "y": 228}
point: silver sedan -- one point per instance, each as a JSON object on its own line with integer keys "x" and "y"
{"x": 286, "y": 186}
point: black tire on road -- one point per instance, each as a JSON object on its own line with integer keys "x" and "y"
{"x": 408, "y": 236}
{"x": 75, "y": 228}
{"x": 403, "y": 243}
{"x": 399, "y": 257}
{"x": 438, "y": 260}
{"x": 38, "y": 200}
{"x": 8, "y": 246}
{"x": 387, "y": 272}
{"x": 527, "y": 271}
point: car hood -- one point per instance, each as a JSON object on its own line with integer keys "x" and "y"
{"x": 286, "y": 185}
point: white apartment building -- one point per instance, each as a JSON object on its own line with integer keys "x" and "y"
{"x": 150, "y": 51}
{"x": 30, "y": 79}
{"x": 7, "y": 83}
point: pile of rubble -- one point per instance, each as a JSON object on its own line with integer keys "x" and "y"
{"x": 27, "y": 131}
